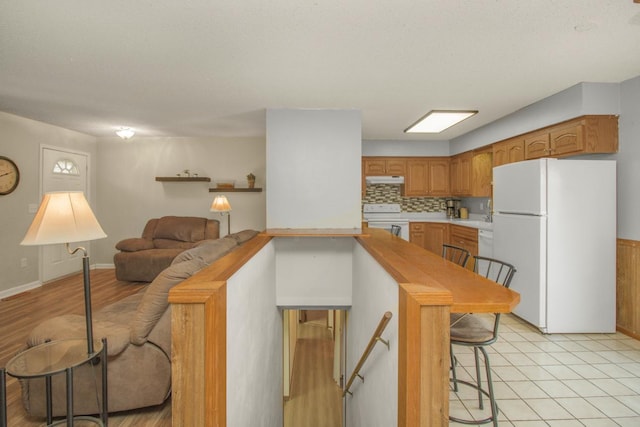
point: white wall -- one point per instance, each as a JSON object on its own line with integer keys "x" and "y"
{"x": 578, "y": 100}
{"x": 314, "y": 271}
{"x": 21, "y": 140}
{"x": 375, "y": 401}
{"x": 628, "y": 159}
{"x": 254, "y": 344}
{"x": 313, "y": 159}
{"x": 405, "y": 148}
{"x": 128, "y": 194}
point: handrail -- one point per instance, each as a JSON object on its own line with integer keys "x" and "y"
{"x": 372, "y": 342}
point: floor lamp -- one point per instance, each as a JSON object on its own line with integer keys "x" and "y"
{"x": 66, "y": 217}
{"x": 221, "y": 204}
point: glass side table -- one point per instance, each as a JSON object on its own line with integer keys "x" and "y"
{"x": 55, "y": 357}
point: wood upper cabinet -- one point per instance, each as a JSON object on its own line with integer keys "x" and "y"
{"x": 427, "y": 176}
{"x": 509, "y": 151}
{"x": 460, "y": 174}
{"x": 429, "y": 235}
{"x": 439, "y": 177}
{"x": 383, "y": 166}
{"x": 536, "y": 145}
{"x": 482, "y": 172}
{"x": 464, "y": 237}
{"x": 587, "y": 134}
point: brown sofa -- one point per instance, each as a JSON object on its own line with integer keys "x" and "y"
{"x": 141, "y": 259}
{"x": 138, "y": 332}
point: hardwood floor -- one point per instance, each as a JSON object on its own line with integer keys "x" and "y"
{"x": 316, "y": 400}
{"x": 19, "y": 314}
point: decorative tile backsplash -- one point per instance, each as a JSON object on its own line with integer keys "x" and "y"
{"x": 389, "y": 193}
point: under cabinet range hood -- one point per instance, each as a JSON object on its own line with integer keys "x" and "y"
{"x": 384, "y": 179}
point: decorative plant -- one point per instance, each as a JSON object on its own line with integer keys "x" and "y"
{"x": 251, "y": 180}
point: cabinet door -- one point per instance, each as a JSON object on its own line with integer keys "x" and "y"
{"x": 500, "y": 156}
{"x": 438, "y": 178}
{"x": 464, "y": 174}
{"x": 536, "y": 146}
{"x": 374, "y": 166}
{"x": 416, "y": 233}
{"x": 567, "y": 140}
{"x": 395, "y": 167}
{"x": 515, "y": 150}
{"x": 465, "y": 237}
{"x": 460, "y": 173}
{"x": 435, "y": 236}
{"x": 454, "y": 174}
{"x": 417, "y": 177}
{"x": 509, "y": 151}
{"x": 482, "y": 172}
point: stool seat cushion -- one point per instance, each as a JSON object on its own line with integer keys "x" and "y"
{"x": 472, "y": 329}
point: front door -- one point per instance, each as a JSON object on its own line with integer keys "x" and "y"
{"x": 62, "y": 170}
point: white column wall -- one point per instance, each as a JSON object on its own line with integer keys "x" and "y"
{"x": 375, "y": 401}
{"x": 313, "y": 168}
{"x": 254, "y": 344}
{"x": 314, "y": 271}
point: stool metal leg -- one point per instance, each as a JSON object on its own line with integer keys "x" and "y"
{"x": 3, "y": 398}
{"x": 105, "y": 388}
{"x": 47, "y": 386}
{"x": 69, "y": 397}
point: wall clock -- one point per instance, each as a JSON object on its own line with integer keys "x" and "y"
{"x": 9, "y": 176}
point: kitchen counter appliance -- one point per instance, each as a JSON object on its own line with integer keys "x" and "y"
{"x": 555, "y": 221}
{"x": 385, "y": 215}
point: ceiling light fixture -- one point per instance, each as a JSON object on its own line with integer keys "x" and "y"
{"x": 125, "y": 133}
{"x": 436, "y": 121}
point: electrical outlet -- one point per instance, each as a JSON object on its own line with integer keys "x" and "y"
{"x": 23, "y": 262}
{"x": 481, "y": 206}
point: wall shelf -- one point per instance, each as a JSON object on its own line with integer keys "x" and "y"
{"x": 183, "y": 179}
{"x": 235, "y": 190}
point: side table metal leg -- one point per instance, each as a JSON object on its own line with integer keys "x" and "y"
{"x": 3, "y": 398}
{"x": 105, "y": 388}
{"x": 69, "y": 397}
{"x": 47, "y": 382}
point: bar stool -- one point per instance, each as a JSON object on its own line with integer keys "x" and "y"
{"x": 471, "y": 331}
{"x": 459, "y": 256}
{"x": 455, "y": 254}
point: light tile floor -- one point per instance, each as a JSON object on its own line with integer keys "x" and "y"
{"x": 559, "y": 380}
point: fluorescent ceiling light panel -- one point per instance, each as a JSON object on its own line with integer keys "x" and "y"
{"x": 436, "y": 121}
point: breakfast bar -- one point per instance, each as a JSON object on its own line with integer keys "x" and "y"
{"x": 427, "y": 288}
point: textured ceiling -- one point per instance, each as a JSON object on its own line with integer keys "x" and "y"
{"x": 211, "y": 67}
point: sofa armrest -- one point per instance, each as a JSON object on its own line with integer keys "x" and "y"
{"x": 134, "y": 244}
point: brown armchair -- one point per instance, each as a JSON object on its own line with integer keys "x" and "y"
{"x": 141, "y": 259}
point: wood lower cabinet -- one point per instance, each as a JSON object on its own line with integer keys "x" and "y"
{"x": 464, "y": 237}
{"x": 429, "y": 235}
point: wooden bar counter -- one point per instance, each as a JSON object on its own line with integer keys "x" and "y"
{"x": 430, "y": 288}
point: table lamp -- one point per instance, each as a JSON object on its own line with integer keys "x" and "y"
{"x": 66, "y": 217}
{"x": 221, "y": 204}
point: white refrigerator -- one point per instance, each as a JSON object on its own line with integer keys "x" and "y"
{"x": 555, "y": 221}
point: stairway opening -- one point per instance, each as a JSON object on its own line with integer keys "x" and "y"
{"x": 314, "y": 359}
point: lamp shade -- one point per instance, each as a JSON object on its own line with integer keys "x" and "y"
{"x": 220, "y": 204}
{"x": 63, "y": 217}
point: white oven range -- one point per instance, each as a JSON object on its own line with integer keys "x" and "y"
{"x": 386, "y": 215}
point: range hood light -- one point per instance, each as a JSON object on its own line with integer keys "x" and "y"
{"x": 436, "y": 121}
